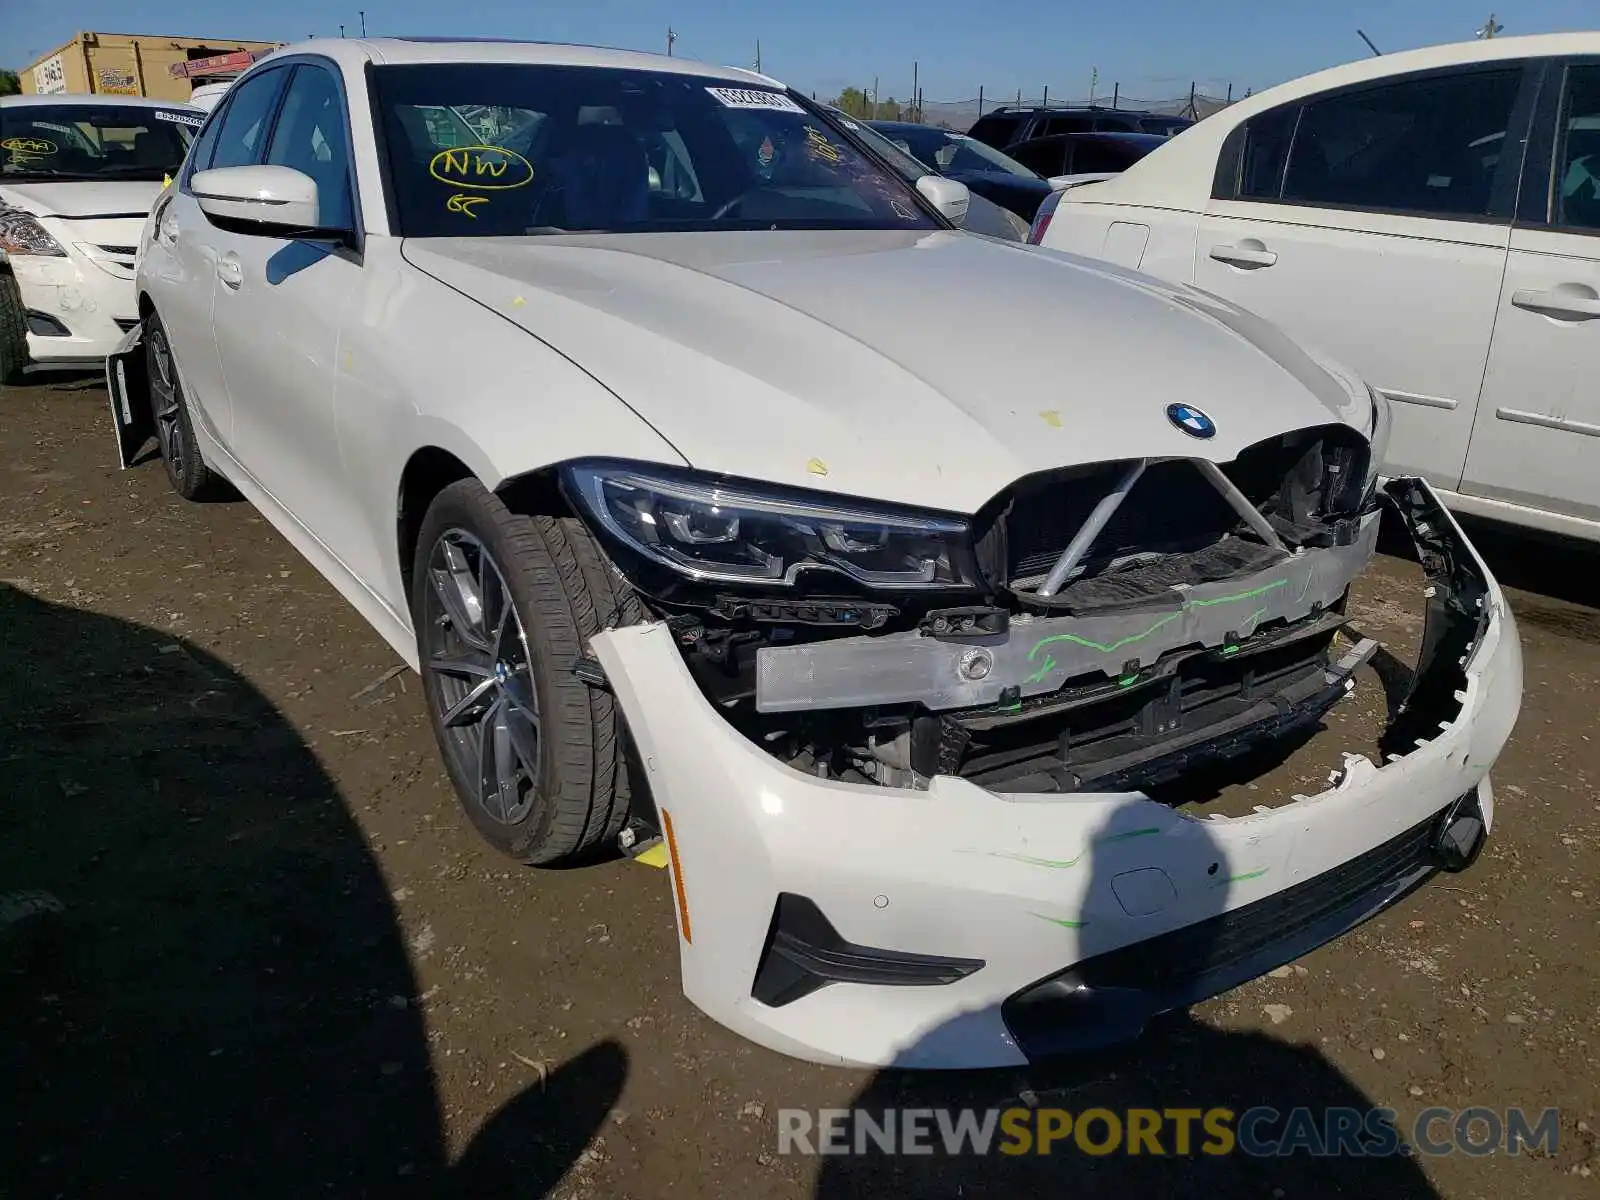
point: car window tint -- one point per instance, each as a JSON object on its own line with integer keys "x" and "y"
{"x": 242, "y": 138}
{"x": 1578, "y": 155}
{"x": 1426, "y": 145}
{"x": 1091, "y": 157}
{"x": 206, "y": 143}
{"x": 1066, "y": 125}
{"x": 1045, "y": 159}
{"x": 1266, "y": 151}
{"x": 311, "y": 137}
{"x": 994, "y": 130}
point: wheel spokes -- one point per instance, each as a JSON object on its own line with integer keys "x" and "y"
{"x": 477, "y": 657}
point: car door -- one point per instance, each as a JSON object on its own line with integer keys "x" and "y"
{"x": 277, "y": 314}
{"x": 183, "y": 260}
{"x": 1537, "y": 440}
{"x": 1371, "y": 222}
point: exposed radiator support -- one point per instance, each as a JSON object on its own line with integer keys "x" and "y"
{"x": 1091, "y": 528}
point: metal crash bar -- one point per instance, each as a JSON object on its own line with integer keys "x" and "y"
{"x": 1106, "y": 509}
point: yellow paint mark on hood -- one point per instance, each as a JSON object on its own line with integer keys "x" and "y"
{"x": 816, "y": 466}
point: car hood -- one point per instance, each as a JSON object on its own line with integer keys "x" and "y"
{"x": 926, "y": 368}
{"x": 86, "y": 198}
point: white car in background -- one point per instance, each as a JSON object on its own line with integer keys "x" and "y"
{"x": 651, "y": 412}
{"x": 1430, "y": 218}
{"x": 78, "y": 175}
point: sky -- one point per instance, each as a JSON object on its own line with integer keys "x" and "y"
{"x": 1154, "y": 49}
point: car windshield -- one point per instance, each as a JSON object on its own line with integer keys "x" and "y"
{"x": 559, "y": 149}
{"x": 93, "y": 141}
{"x": 954, "y": 153}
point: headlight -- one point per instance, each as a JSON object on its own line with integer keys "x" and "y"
{"x": 21, "y": 234}
{"x": 740, "y": 533}
{"x": 1378, "y": 436}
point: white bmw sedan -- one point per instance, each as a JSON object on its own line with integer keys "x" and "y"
{"x": 736, "y": 506}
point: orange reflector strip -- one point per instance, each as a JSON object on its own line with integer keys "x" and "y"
{"x": 677, "y": 876}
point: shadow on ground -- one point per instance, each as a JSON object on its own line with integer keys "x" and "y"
{"x": 203, "y": 985}
{"x": 1180, "y": 1064}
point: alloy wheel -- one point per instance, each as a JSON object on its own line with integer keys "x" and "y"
{"x": 480, "y": 677}
{"x": 165, "y": 402}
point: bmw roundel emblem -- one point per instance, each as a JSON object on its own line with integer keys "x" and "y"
{"x": 1191, "y": 420}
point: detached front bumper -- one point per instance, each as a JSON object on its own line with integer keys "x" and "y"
{"x": 956, "y": 927}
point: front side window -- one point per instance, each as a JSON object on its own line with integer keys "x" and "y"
{"x": 1577, "y": 190}
{"x": 86, "y": 141}
{"x": 310, "y": 137}
{"x": 1100, "y": 157}
{"x": 1429, "y": 146}
{"x": 241, "y": 140}
{"x": 600, "y": 150}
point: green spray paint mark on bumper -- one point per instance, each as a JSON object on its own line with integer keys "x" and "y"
{"x": 1049, "y": 660}
{"x": 1061, "y": 921}
{"x": 1062, "y": 863}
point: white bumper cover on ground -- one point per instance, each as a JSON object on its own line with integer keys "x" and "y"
{"x": 1025, "y": 884}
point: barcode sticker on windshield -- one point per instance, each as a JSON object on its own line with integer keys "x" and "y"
{"x": 162, "y": 114}
{"x": 754, "y": 98}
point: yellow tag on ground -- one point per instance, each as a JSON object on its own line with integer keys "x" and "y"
{"x": 656, "y": 856}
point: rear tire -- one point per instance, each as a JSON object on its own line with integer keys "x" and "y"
{"x": 180, "y": 452}
{"x": 13, "y": 331}
{"x": 504, "y": 606}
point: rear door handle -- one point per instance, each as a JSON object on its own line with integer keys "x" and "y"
{"x": 1249, "y": 254}
{"x": 230, "y": 271}
{"x": 1564, "y": 300}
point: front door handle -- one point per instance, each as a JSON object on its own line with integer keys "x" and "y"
{"x": 1573, "y": 300}
{"x": 1248, "y": 254}
{"x": 230, "y": 270}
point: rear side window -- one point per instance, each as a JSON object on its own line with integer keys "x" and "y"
{"x": 1577, "y": 190}
{"x": 1041, "y": 158}
{"x": 996, "y": 131}
{"x": 1057, "y": 125}
{"x": 1095, "y": 157}
{"x": 1265, "y": 152}
{"x": 1426, "y": 146}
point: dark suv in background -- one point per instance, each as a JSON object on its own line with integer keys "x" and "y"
{"x": 1007, "y": 126}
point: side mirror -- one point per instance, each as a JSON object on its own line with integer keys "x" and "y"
{"x": 949, "y": 197}
{"x": 272, "y": 201}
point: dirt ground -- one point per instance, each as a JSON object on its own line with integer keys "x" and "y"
{"x": 277, "y": 962}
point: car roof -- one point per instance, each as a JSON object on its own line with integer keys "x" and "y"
{"x": 1180, "y": 172}
{"x": 398, "y": 51}
{"x": 98, "y": 101}
{"x": 1120, "y": 137}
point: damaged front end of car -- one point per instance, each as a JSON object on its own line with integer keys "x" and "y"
{"x": 926, "y": 806}
{"x": 1100, "y": 627}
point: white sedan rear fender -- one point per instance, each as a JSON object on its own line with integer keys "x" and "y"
{"x": 955, "y": 927}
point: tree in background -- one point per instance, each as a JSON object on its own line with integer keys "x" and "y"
{"x": 10, "y": 85}
{"x": 856, "y": 103}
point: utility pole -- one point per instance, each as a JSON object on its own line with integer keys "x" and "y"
{"x": 874, "y": 97}
{"x": 341, "y": 31}
{"x": 916, "y": 92}
{"x": 758, "y": 56}
{"x": 1094, "y": 80}
{"x": 1230, "y": 91}
{"x": 1193, "y": 115}
{"x": 362, "y": 13}
{"x": 980, "y": 99}
{"x": 1116, "y": 95}
{"x": 671, "y": 37}
{"x": 1045, "y": 102}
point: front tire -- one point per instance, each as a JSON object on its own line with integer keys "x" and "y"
{"x": 180, "y": 452}
{"x": 13, "y": 331}
{"x": 504, "y": 605}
